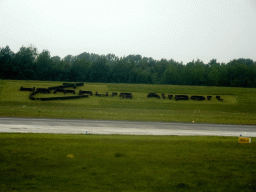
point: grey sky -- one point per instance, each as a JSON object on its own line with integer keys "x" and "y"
{"x": 182, "y": 30}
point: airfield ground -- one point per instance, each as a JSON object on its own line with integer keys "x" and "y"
{"x": 54, "y": 162}
{"x": 238, "y": 105}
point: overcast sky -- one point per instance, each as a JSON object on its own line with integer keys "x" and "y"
{"x": 182, "y": 30}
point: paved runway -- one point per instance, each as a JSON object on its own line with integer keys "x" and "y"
{"x": 72, "y": 126}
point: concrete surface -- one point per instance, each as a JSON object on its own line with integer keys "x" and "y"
{"x": 72, "y": 126}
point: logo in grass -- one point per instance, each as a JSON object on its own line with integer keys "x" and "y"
{"x": 70, "y": 156}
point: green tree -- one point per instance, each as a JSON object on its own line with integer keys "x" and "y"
{"x": 245, "y": 72}
{"x": 171, "y": 75}
{"x": 80, "y": 70}
{"x": 44, "y": 66}
{"x": 158, "y": 70}
{"x": 112, "y": 59}
{"x": 196, "y": 73}
{"x": 55, "y": 59}
{"x": 134, "y": 58}
{"x": 69, "y": 59}
{"x": 144, "y": 77}
{"x": 224, "y": 79}
{"x": 214, "y": 73}
{"x": 24, "y": 63}
{"x": 100, "y": 70}
{"x": 121, "y": 70}
{"x": 6, "y": 57}
{"x": 57, "y": 69}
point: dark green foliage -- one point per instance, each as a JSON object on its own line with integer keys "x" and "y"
{"x": 63, "y": 98}
{"x": 66, "y": 83}
{"x": 114, "y": 93}
{"x": 61, "y": 86}
{"x": 181, "y": 97}
{"x": 79, "y": 84}
{"x": 43, "y": 90}
{"x": 44, "y": 66}
{"x": 31, "y": 96}
{"x": 218, "y": 97}
{"x": 153, "y": 95}
{"x": 6, "y": 59}
{"x": 101, "y": 95}
{"x": 69, "y": 91}
{"x": 73, "y": 84}
{"x": 126, "y": 95}
{"x": 56, "y": 89}
{"x": 27, "y": 64}
{"x": 118, "y": 154}
{"x": 100, "y": 71}
{"x": 198, "y": 98}
{"x": 84, "y": 92}
{"x": 59, "y": 90}
{"x": 209, "y": 98}
{"x": 24, "y": 64}
{"x": 170, "y": 96}
{"x": 27, "y": 89}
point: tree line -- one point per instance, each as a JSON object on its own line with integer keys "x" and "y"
{"x": 28, "y": 64}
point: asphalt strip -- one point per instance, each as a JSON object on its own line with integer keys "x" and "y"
{"x": 15, "y": 128}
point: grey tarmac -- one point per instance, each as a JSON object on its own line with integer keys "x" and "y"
{"x": 78, "y": 126}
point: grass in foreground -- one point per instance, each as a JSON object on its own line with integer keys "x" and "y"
{"x": 48, "y": 162}
{"x": 238, "y": 107}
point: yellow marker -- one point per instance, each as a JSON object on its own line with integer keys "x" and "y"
{"x": 244, "y": 140}
{"x": 71, "y": 156}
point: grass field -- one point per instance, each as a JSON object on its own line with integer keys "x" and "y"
{"x": 238, "y": 107}
{"x": 49, "y": 162}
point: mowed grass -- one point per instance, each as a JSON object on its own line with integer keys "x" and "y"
{"x": 51, "y": 162}
{"x": 238, "y": 106}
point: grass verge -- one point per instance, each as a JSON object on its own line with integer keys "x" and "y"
{"x": 238, "y": 107}
{"x": 49, "y": 162}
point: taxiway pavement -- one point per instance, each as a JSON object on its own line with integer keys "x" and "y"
{"x": 77, "y": 126}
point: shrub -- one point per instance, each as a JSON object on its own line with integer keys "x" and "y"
{"x": 114, "y": 93}
{"x": 126, "y": 95}
{"x": 31, "y": 96}
{"x": 63, "y": 98}
{"x": 209, "y": 97}
{"x": 218, "y": 97}
{"x": 27, "y": 89}
{"x": 84, "y": 92}
{"x": 198, "y": 98}
{"x": 79, "y": 84}
{"x": 101, "y": 95}
{"x": 62, "y": 86}
{"x": 69, "y": 91}
{"x": 153, "y": 95}
{"x": 76, "y": 84}
{"x": 181, "y": 97}
{"x": 43, "y": 90}
{"x": 170, "y": 96}
{"x": 59, "y": 90}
